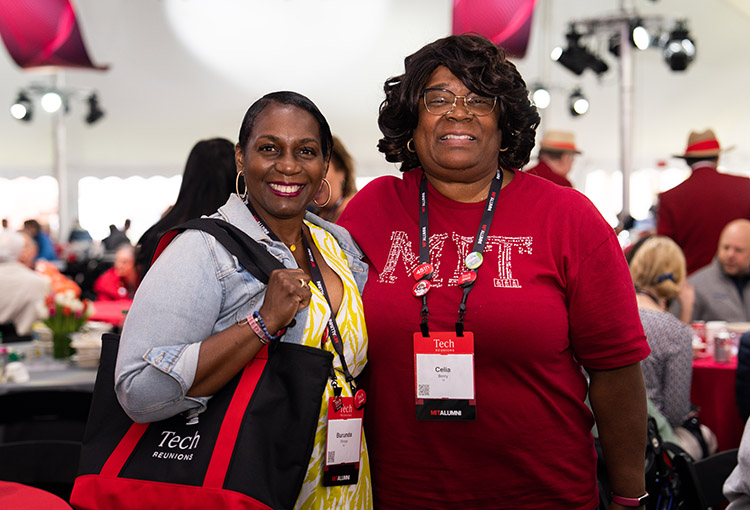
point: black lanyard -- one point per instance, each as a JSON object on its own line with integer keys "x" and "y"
{"x": 423, "y": 273}
{"x": 332, "y": 328}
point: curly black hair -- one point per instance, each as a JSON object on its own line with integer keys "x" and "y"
{"x": 484, "y": 69}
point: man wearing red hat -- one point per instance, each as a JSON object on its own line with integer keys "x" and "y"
{"x": 557, "y": 150}
{"x": 694, "y": 212}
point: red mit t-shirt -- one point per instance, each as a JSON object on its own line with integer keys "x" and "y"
{"x": 554, "y": 289}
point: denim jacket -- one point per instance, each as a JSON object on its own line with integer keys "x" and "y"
{"x": 195, "y": 289}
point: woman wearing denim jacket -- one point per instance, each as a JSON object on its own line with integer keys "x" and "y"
{"x": 189, "y": 330}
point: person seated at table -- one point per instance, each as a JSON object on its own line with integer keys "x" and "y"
{"x": 737, "y": 486}
{"x": 22, "y": 290}
{"x": 45, "y": 246}
{"x": 209, "y": 178}
{"x": 742, "y": 377}
{"x": 121, "y": 280}
{"x": 722, "y": 292}
{"x": 658, "y": 271}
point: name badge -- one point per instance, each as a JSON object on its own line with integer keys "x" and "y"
{"x": 444, "y": 376}
{"x": 343, "y": 443}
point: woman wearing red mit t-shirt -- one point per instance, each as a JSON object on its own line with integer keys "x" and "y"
{"x": 489, "y": 291}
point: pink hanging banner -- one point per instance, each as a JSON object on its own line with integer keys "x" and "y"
{"x": 507, "y": 23}
{"x": 43, "y": 33}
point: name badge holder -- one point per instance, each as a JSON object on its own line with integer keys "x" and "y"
{"x": 343, "y": 443}
{"x": 444, "y": 381}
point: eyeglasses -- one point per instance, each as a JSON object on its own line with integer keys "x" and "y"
{"x": 442, "y": 102}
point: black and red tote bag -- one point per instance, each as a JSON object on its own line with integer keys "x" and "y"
{"x": 250, "y": 449}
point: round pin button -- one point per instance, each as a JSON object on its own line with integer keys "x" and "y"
{"x": 467, "y": 278}
{"x": 360, "y": 397}
{"x": 473, "y": 260}
{"x": 423, "y": 271}
{"x": 421, "y": 288}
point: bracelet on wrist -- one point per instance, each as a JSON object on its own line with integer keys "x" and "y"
{"x": 255, "y": 321}
{"x": 258, "y": 330}
{"x": 630, "y": 502}
{"x": 269, "y": 336}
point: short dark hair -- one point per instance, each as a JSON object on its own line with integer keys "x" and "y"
{"x": 288, "y": 98}
{"x": 692, "y": 161}
{"x": 484, "y": 69}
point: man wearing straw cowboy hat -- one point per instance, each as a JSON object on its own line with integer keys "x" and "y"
{"x": 557, "y": 150}
{"x": 694, "y": 212}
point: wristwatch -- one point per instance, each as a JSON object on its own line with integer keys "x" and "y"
{"x": 630, "y": 502}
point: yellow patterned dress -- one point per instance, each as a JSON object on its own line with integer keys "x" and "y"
{"x": 351, "y": 322}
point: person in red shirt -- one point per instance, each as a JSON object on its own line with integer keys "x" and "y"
{"x": 694, "y": 212}
{"x": 489, "y": 292}
{"x": 557, "y": 150}
{"x": 119, "y": 281}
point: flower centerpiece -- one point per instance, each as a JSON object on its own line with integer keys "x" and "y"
{"x": 67, "y": 314}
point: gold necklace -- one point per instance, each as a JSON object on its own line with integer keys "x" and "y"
{"x": 292, "y": 246}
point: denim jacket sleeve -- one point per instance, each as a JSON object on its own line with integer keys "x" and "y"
{"x": 177, "y": 305}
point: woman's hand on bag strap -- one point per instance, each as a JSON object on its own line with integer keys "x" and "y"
{"x": 287, "y": 293}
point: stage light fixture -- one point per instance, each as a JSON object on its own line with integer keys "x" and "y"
{"x": 540, "y": 96}
{"x": 574, "y": 57}
{"x": 578, "y": 104}
{"x": 52, "y": 101}
{"x": 679, "y": 49}
{"x": 577, "y": 58}
{"x": 21, "y": 109}
{"x": 639, "y": 36}
{"x": 95, "y": 112}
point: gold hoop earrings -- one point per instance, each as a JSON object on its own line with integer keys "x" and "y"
{"x": 503, "y": 150}
{"x": 329, "y": 194}
{"x": 237, "y": 186}
{"x": 410, "y": 149}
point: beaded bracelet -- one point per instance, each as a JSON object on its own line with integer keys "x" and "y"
{"x": 269, "y": 336}
{"x": 255, "y": 321}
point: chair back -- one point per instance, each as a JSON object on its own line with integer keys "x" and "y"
{"x": 44, "y": 414}
{"x": 51, "y": 465}
{"x": 702, "y": 481}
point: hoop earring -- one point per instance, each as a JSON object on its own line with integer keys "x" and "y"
{"x": 237, "y": 187}
{"x": 503, "y": 150}
{"x": 329, "y": 194}
{"x": 410, "y": 149}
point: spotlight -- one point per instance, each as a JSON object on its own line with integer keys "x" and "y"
{"x": 21, "y": 109}
{"x": 540, "y": 96}
{"x": 679, "y": 49}
{"x": 574, "y": 57}
{"x": 95, "y": 113}
{"x": 640, "y": 36}
{"x": 578, "y": 104}
{"x": 577, "y": 58}
{"x": 52, "y": 102}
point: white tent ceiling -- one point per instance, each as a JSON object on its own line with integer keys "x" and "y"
{"x": 184, "y": 70}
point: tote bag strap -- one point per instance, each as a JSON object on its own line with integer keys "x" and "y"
{"x": 230, "y": 426}
{"x": 250, "y": 254}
